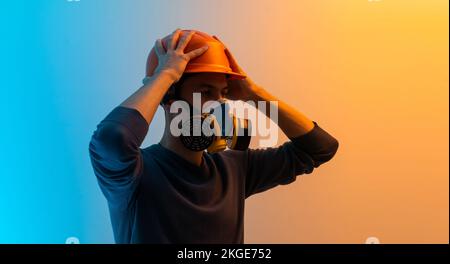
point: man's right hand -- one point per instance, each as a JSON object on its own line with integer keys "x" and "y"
{"x": 173, "y": 60}
{"x": 171, "y": 65}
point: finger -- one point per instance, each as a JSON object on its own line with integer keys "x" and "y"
{"x": 159, "y": 49}
{"x": 174, "y": 39}
{"x": 197, "y": 52}
{"x": 232, "y": 60}
{"x": 184, "y": 40}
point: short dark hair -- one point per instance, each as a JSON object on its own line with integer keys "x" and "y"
{"x": 174, "y": 90}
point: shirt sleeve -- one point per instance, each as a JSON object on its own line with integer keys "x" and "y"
{"x": 267, "y": 168}
{"x": 116, "y": 156}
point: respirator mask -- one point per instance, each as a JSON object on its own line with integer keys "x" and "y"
{"x": 215, "y": 129}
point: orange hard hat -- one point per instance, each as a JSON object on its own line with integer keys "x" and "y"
{"x": 215, "y": 59}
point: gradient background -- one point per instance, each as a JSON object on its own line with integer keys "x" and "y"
{"x": 372, "y": 73}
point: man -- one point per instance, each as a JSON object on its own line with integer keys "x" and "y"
{"x": 168, "y": 193}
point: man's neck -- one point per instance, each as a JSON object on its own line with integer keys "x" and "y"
{"x": 174, "y": 144}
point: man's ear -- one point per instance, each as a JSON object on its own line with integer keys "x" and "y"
{"x": 165, "y": 106}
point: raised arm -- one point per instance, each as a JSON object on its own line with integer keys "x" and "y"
{"x": 115, "y": 145}
{"x": 310, "y": 145}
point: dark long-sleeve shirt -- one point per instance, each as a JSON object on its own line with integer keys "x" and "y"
{"x": 156, "y": 196}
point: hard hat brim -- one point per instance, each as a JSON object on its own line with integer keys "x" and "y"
{"x": 198, "y": 68}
